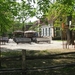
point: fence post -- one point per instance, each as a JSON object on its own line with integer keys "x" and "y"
{"x": 24, "y": 62}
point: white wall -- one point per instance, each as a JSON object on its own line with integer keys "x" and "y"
{"x": 47, "y": 30}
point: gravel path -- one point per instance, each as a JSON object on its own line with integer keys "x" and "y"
{"x": 34, "y": 46}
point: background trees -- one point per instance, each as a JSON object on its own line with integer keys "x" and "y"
{"x": 62, "y": 11}
{"x": 12, "y": 11}
{"x": 6, "y": 15}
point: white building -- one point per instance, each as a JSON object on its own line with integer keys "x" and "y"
{"x": 47, "y": 30}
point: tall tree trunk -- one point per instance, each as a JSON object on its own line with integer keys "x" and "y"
{"x": 70, "y": 37}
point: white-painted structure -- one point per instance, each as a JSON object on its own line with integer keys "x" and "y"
{"x": 47, "y": 30}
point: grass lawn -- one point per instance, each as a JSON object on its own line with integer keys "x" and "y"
{"x": 47, "y": 62}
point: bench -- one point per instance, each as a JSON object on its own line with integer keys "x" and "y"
{"x": 4, "y": 40}
{"x": 43, "y": 39}
{"x": 22, "y": 40}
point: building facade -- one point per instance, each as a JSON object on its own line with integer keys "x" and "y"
{"x": 47, "y": 30}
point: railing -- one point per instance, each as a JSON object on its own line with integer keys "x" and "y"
{"x": 36, "y": 70}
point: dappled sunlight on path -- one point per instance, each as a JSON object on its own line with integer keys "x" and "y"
{"x": 36, "y": 46}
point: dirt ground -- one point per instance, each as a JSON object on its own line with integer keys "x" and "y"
{"x": 53, "y": 46}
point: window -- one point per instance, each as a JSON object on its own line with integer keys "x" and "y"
{"x": 49, "y": 31}
{"x": 46, "y": 31}
{"x": 43, "y": 31}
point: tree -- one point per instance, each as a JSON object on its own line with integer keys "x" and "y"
{"x": 25, "y": 12}
{"x": 11, "y": 10}
{"x": 60, "y": 9}
{"x": 7, "y": 11}
{"x": 65, "y": 9}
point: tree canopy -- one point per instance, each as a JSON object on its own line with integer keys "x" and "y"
{"x": 6, "y": 13}
{"x": 11, "y": 10}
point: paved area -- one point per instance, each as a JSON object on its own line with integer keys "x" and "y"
{"x": 35, "y": 46}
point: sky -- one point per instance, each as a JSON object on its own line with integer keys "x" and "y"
{"x": 30, "y": 19}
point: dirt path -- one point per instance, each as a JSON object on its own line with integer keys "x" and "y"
{"x": 53, "y": 46}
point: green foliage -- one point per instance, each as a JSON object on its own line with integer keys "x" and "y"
{"x": 6, "y": 14}
{"x": 43, "y": 5}
{"x": 57, "y": 24}
{"x": 68, "y": 2}
{"x": 10, "y": 53}
{"x": 61, "y": 9}
{"x": 11, "y": 11}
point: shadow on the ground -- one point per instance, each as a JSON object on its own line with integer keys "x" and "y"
{"x": 38, "y": 63}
